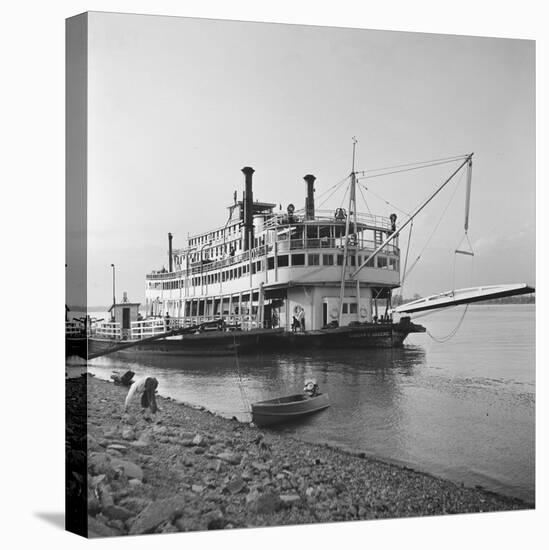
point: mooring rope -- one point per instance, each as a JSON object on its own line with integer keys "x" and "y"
{"x": 450, "y": 335}
{"x": 243, "y": 395}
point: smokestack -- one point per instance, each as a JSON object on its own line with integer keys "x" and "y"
{"x": 310, "y": 198}
{"x": 248, "y": 209}
{"x": 170, "y": 236}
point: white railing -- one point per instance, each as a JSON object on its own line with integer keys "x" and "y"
{"x": 108, "y": 330}
{"x": 159, "y": 325}
{"x": 377, "y": 222}
{"x": 153, "y": 327}
{"x": 74, "y": 328}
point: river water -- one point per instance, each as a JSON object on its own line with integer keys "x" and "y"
{"x": 463, "y": 410}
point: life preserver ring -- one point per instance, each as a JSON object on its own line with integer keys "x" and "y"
{"x": 363, "y": 312}
{"x": 334, "y": 313}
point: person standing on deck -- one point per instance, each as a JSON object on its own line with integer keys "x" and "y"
{"x": 301, "y": 318}
{"x": 167, "y": 322}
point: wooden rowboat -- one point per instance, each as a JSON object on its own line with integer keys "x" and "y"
{"x": 284, "y": 409}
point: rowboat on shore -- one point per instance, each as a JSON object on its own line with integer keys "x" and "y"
{"x": 285, "y": 409}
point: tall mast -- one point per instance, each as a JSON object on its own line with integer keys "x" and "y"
{"x": 350, "y": 210}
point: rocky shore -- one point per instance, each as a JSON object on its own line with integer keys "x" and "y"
{"x": 189, "y": 469}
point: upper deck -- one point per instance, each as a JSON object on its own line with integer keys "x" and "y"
{"x": 261, "y": 245}
{"x": 283, "y": 232}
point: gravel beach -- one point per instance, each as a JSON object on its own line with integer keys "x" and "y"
{"x": 189, "y": 469}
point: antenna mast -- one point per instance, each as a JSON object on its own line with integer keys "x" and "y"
{"x": 351, "y": 210}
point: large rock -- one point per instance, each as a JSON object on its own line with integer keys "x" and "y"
{"x": 235, "y": 486}
{"x": 133, "y": 483}
{"x": 128, "y": 434}
{"x": 263, "y": 503}
{"x": 93, "y": 444}
{"x": 262, "y": 466}
{"x": 117, "y": 512}
{"x": 97, "y": 529}
{"x": 135, "y": 504}
{"x": 199, "y": 441}
{"x": 112, "y": 433}
{"x": 231, "y": 458}
{"x": 118, "y": 447}
{"x": 290, "y": 500}
{"x": 132, "y": 471}
{"x": 140, "y": 444}
{"x": 156, "y": 513}
{"x": 100, "y": 463}
{"x": 215, "y": 520}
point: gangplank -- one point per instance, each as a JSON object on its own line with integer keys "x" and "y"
{"x": 463, "y": 296}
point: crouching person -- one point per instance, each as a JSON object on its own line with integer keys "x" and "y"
{"x": 145, "y": 388}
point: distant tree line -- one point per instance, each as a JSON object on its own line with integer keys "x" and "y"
{"x": 523, "y": 299}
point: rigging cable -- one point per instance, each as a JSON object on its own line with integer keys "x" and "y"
{"x": 406, "y": 274}
{"x": 471, "y": 253}
{"x": 334, "y": 188}
{"x": 384, "y": 200}
{"x": 342, "y": 204}
{"x": 364, "y": 198}
{"x": 446, "y": 159}
{"x": 406, "y": 170}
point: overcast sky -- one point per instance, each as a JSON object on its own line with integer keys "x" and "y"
{"x": 178, "y": 106}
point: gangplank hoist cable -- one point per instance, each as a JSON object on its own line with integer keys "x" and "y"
{"x": 464, "y": 248}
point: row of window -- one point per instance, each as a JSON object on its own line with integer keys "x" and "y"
{"x": 349, "y": 308}
{"x": 285, "y": 260}
{"x": 214, "y": 235}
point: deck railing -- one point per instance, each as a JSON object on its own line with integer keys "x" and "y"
{"x": 107, "y": 330}
{"x": 284, "y": 245}
{"x": 327, "y": 216}
{"x": 160, "y": 325}
{"x": 74, "y": 328}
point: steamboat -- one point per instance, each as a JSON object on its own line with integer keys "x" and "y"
{"x": 275, "y": 280}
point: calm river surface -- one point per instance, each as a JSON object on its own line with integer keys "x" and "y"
{"x": 462, "y": 410}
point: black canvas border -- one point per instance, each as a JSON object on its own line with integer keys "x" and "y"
{"x": 76, "y": 126}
